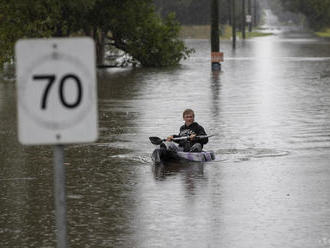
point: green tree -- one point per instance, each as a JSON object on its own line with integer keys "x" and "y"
{"x": 317, "y": 12}
{"x": 139, "y": 31}
{"x": 130, "y": 25}
{"x": 36, "y": 19}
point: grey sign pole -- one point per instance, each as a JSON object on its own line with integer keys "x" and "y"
{"x": 74, "y": 61}
{"x": 60, "y": 196}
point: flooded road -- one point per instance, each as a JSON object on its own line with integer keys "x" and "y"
{"x": 270, "y": 183}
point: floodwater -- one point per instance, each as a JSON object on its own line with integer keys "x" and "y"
{"x": 269, "y": 186}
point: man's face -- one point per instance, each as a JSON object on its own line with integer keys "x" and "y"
{"x": 188, "y": 119}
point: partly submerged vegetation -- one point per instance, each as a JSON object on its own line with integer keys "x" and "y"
{"x": 254, "y": 34}
{"x": 325, "y": 33}
{"x": 203, "y": 32}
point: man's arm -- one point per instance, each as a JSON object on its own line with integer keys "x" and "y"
{"x": 201, "y": 132}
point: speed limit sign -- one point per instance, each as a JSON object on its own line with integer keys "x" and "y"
{"x": 56, "y": 91}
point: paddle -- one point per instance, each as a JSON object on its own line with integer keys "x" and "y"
{"x": 157, "y": 141}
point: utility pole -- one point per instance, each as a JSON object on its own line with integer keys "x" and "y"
{"x": 215, "y": 42}
{"x": 249, "y": 16}
{"x": 243, "y": 19}
{"x": 233, "y": 22}
{"x": 229, "y": 11}
{"x": 255, "y": 13}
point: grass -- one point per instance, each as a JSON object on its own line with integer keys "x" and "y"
{"x": 325, "y": 33}
{"x": 203, "y": 32}
{"x": 195, "y": 31}
{"x": 255, "y": 34}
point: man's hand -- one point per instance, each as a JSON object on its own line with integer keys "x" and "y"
{"x": 169, "y": 138}
{"x": 192, "y": 137}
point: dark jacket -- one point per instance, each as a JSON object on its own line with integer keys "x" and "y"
{"x": 194, "y": 128}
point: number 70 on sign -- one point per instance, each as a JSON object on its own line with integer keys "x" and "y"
{"x": 56, "y": 91}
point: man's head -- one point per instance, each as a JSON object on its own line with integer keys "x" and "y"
{"x": 188, "y": 116}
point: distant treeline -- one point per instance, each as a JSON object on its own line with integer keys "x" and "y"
{"x": 193, "y": 12}
{"x": 316, "y": 12}
{"x": 197, "y": 12}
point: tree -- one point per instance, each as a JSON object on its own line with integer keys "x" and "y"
{"x": 130, "y": 25}
{"x": 157, "y": 40}
{"x": 317, "y": 12}
{"x": 36, "y": 19}
{"x": 193, "y": 12}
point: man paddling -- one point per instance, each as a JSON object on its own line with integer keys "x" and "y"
{"x": 191, "y": 129}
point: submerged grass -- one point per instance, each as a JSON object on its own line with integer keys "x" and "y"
{"x": 203, "y": 32}
{"x": 255, "y": 34}
{"x": 195, "y": 31}
{"x": 325, "y": 33}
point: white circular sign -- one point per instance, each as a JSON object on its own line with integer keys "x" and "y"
{"x": 56, "y": 97}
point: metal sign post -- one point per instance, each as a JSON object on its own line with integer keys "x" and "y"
{"x": 60, "y": 196}
{"x": 57, "y": 103}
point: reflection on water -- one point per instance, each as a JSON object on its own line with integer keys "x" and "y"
{"x": 268, "y": 187}
{"x": 163, "y": 170}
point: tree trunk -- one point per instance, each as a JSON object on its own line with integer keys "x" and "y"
{"x": 229, "y": 12}
{"x": 59, "y": 32}
{"x": 250, "y": 15}
{"x": 243, "y": 19}
{"x": 255, "y": 13}
{"x": 99, "y": 38}
{"x": 233, "y": 15}
{"x": 101, "y": 53}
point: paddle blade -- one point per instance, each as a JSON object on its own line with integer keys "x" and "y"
{"x": 155, "y": 140}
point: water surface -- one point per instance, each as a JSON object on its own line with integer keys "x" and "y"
{"x": 269, "y": 186}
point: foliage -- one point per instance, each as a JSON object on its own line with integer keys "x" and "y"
{"x": 161, "y": 48}
{"x": 157, "y": 41}
{"x": 131, "y": 25}
{"x": 198, "y": 12}
{"x": 36, "y": 19}
{"x": 317, "y": 12}
{"x": 193, "y": 12}
{"x": 284, "y": 15}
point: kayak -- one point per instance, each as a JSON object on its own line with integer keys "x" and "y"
{"x": 161, "y": 155}
{"x": 203, "y": 156}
